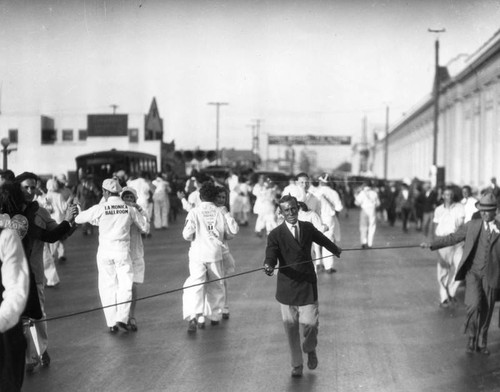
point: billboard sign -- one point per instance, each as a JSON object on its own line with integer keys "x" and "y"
{"x": 107, "y": 125}
{"x": 309, "y": 140}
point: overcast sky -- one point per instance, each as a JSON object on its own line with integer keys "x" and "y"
{"x": 303, "y": 67}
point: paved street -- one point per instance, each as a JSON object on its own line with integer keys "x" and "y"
{"x": 381, "y": 328}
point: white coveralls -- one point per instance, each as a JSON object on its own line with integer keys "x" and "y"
{"x": 330, "y": 205}
{"x": 114, "y": 264}
{"x": 144, "y": 192}
{"x": 448, "y": 220}
{"x": 161, "y": 203}
{"x": 206, "y": 227}
{"x": 264, "y": 208}
{"x": 368, "y": 201}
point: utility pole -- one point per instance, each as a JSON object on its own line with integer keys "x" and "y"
{"x": 386, "y": 142}
{"x": 254, "y": 145}
{"x": 217, "y": 107}
{"x": 114, "y": 108}
{"x": 436, "y": 96}
{"x": 258, "y": 121}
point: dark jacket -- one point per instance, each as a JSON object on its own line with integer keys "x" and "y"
{"x": 297, "y": 284}
{"x": 470, "y": 234}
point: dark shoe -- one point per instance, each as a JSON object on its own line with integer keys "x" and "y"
{"x": 30, "y": 367}
{"x": 444, "y": 304}
{"x": 214, "y": 322}
{"x": 312, "y": 360}
{"x": 297, "y": 371}
{"x": 62, "y": 259}
{"x": 113, "y": 329}
{"x": 132, "y": 324}
{"x": 364, "y": 246}
{"x": 121, "y": 325}
{"x": 483, "y": 350}
{"x": 192, "y": 326}
{"x": 471, "y": 346}
{"x": 45, "y": 359}
{"x": 330, "y": 270}
{"x": 225, "y": 316}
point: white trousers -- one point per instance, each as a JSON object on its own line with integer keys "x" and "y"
{"x": 449, "y": 258}
{"x": 333, "y": 234}
{"x": 367, "y": 226}
{"x": 115, "y": 286}
{"x": 294, "y": 317}
{"x": 42, "y": 336}
{"x": 195, "y": 291}
{"x": 160, "y": 211}
{"x": 265, "y": 221}
{"x": 49, "y": 265}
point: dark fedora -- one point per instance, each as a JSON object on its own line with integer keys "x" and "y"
{"x": 488, "y": 202}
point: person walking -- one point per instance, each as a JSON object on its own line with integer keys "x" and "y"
{"x": 480, "y": 268}
{"x": 367, "y": 199}
{"x": 469, "y": 203}
{"x": 161, "y": 202}
{"x": 289, "y": 246}
{"x": 331, "y": 205}
{"x": 448, "y": 217}
{"x": 114, "y": 264}
{"x": 205, "y": 228}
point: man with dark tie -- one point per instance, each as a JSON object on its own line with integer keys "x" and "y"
{"x": 289, "y": 244}
{"x": 480, "y": 268}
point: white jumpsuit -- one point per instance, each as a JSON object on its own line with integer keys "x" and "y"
{"x": 206, "y": 227}
{"x": 114, "y": 264}
{"x": 368, "y": 200}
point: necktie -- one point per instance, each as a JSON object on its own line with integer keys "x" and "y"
{"x": 295, "y": 232}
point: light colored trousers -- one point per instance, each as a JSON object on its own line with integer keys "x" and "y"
{"x": 160, "y": 211}
{"x": 193, "y": 298}
{"x": 115, "y": 286}
{"x": 265, "y": 221}
{"x": 49, "y": 263}
{"x": 333, "y": 234}
{"x": 447, "y": 269}
{"x": 367, "y": 226}
{"x": 41, "y": 331}
{"x": 307, "y": 318}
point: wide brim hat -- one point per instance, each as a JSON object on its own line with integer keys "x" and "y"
{"x": 111, "y": 185}
{"x": 488, "y": 202}
{"x": 128, "y": 189}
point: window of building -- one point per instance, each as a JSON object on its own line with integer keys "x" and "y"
{"x": 13, "y": 133}
{"x": 133, "y": 135}
{"x": 67, "y": 135}
{"x": 49, "y": 136}
{"x": 82, "y": 134}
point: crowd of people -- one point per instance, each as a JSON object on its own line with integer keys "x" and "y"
{"x": 300, "y": 220}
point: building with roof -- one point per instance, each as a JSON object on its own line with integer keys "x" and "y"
{"x": 48, "y": 145}
{"x": 468, "y": 138}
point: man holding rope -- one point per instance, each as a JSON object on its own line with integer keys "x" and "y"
{"x": 297, "y": 290}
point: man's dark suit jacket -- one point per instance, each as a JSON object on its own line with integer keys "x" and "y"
{"x": 297, "y": 284}
{"x": 470, "y": 234}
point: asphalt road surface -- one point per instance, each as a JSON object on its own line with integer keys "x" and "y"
{"x": 381, "y": 327}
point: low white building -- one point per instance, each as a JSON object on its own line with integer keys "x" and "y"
{"x": 48, "y": 145}
{"x": 468, "y": 139}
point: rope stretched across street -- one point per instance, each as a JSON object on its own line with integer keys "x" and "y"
{"x": 32, "y": 321}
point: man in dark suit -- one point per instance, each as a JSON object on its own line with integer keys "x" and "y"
{"x": 289, "y": 244}
{"x": 480, "y": 267}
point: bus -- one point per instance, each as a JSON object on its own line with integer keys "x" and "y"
{"x": 104, "y": 164}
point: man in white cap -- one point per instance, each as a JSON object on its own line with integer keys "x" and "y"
{"x": 479, "y": 267}
{"x": 114, "y": 264}
{"x": 367, "y": 199}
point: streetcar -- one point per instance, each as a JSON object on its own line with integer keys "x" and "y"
{"x": 104, "y": 164}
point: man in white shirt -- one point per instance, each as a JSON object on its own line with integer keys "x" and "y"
{"x": 367, "y": 199}
{"x": 331, "y": 205}
{"x": 114, "y": 264}
{"x": 161, "y": 202}
{"x": 468, "y": 202}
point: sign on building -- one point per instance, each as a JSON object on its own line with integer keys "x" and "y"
{"x": 107, "y": 125}
{"x": 310, "y": 140}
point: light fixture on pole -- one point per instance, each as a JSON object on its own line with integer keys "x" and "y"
{"x": 217, "y": 107}
{"x": 6, "y": 150}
